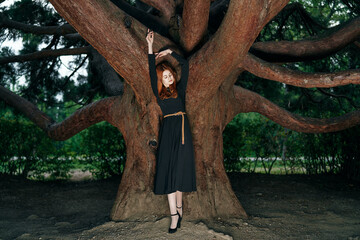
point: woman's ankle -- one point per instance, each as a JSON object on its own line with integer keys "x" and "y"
{"x": 174, "y": 220}
{"x": 179, "y": 210}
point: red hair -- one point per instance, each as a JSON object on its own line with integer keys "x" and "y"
{"x": 163, "y": 92}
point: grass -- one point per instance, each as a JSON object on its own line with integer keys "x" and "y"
{"x": 278, "y": 167}
{"x": 63, "y": 168}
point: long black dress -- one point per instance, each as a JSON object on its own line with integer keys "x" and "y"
{"x": 175, "y": 166}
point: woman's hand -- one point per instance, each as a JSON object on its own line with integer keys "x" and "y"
{"x": 150, "y": 37}
{"x": 163, "y": 53}
{"x": 150, "y": 40}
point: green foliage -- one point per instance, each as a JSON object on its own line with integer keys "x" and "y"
{"x": 350, "y": 154}
{"x": 304, "y": 21}
{"x": 27, "y": 151}
{"x": 43, "y": 81}
{"x": 103, "y": 149}
{"x": 298, "y": 152}
{"x": 7, "y": 71}
{"x": 251, "y": 139}
{"x": 252, "y": 142}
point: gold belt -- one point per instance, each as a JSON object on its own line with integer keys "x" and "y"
{"x": 182, "y": 126}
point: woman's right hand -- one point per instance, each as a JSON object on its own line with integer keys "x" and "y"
{"x": 150, "y": 37}
{"x": 150, "y": 40}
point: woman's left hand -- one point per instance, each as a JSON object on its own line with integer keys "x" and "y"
{"x": 163, "y": 53}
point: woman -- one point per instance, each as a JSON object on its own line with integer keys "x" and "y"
{"x": 175, "y": 167}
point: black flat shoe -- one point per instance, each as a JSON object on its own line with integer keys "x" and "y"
{"x": 173, "y": 230}
{"x": 180, "y": 218}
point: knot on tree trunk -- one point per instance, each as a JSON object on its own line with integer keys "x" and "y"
{"x": 153, "y": 144}
{"x": 127, "y": 21}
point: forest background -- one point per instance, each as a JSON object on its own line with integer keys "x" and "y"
{"x": 252, "y": 143}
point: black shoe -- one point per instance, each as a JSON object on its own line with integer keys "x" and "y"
{"x": 173, "y": 230}
{"x": 180, "y": 218}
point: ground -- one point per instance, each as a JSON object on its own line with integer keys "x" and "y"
{"x": 279, "y": 207}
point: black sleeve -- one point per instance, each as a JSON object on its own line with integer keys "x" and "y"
{"x": 184, "y": 70}
{"x": 153, "y": 76}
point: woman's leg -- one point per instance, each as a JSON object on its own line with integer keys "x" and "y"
{"x": 179, "y": 202}
{"x": 172, "y": 205}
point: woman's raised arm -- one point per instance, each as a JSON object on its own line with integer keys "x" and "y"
{"x": 150, "y": 40}
{"x": 184, "y": 70}
{"x": 151, "y": 61}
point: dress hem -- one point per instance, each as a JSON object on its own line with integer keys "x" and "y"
{"x": 175, "y": 191}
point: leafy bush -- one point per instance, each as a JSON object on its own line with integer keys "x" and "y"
{"x": 103, "y": 149}
{"x": 252, "y": 142}
{"x": 26, "y": 150}
{"x": 251, "y": 139}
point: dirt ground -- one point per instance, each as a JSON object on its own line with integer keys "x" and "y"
{"x": 279, "y": 207}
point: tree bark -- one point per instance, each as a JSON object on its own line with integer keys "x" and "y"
{"x": 194, "y": 23}
{"x": 214, "y": 196}
{"x": 277, "y": 73}
{"x": 311, "y": 49}
{"x": 120, "y": 39}
{"x": 222, "y": 54}
{"x": 166, "y": 8}
{"x": 108, "y": 77}
{"x": 248, "y": 101}
{"x": 81, "y": 119}
{"x": 157, "y": 24}
{"x": 135, "y": 198}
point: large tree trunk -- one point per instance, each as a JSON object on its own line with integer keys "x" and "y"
{"x": 135, "y": 198}
{"x": 214, "y": 196}
{"x": 120, "y": 39}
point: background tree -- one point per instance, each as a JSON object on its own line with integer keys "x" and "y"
{"x": 221, "y": 40}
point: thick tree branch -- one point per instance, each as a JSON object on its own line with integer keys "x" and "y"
{"x": 50, "y": 30}
{"x": 108, "y": 77}
{"x": 157, "y": 24}
{"x": 45, "y": 54}
{"x": 65, "y": 30}
{"x": 311, "y": 49}
{"x": 78, "y": 121}
{"x": 26, "y": 107}
{"x": 248, "y": 101}
{"x": 216, "y": 15}
{"x": 195, "y": 19}
{"x": 219, "y": 57}
{"x": 116, "y": 36}
{"x": 83, "y": 118}
{"x": 167, "y": 8}
{"x": 278, "y": 73}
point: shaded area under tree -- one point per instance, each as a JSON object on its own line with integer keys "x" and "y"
{"x": 279, "y": 207}
{"x": 217, "y": 56}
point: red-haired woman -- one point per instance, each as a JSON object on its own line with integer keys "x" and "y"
{"x": 175, "y": 166}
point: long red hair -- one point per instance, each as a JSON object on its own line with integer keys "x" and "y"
{"x": 163, "y": 92}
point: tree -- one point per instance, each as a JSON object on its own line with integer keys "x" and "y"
{"x": 217, "y": 54}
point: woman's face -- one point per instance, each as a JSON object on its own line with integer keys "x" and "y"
{"x": 167, "y": 78}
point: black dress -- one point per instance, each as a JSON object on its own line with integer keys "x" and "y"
{"x": 175, "y": 166}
